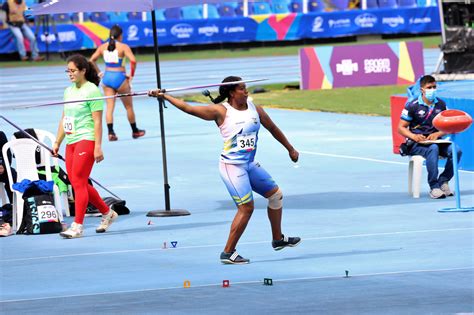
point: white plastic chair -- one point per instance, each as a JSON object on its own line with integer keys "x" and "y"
{"x": 60, "y": 198}
{"x": 415, "y": 170}
{"x": 23, "y": 151}
{"x": 3, "y": 194}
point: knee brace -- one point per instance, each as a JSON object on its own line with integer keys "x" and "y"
{"x": 275, "y": 201}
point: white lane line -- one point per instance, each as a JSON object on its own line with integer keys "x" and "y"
{"x": 388, "y": 273}
{"x": 351, "y": 157}
{"x": 244, "y": 243}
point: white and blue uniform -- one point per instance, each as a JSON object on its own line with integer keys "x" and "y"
{"x": 240, "y": 173}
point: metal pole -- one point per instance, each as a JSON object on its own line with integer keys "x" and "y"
{"x": 161, "y": 102}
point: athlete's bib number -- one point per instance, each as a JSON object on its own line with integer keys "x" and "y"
{"x": 246, "y": 141}
{"x": 47, "y": 213}
{"x": 68, "y": 124}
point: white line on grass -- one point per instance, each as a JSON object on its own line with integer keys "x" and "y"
{"x": 243, "y": 243}
{"x": 388, "y": 273}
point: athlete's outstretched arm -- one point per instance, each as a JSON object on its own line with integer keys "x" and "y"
{"x": 268, "y": 123}
{"x": 211, "y": 112}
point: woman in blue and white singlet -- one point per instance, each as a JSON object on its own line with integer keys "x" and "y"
{"x": 115, "y": 79}
{"x": 239, "y": 122}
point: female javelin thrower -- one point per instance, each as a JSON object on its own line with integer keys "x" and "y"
{"x": 115, "y": 80}
{"x": 81, "y": 125}
{"x": 239, "y": 122}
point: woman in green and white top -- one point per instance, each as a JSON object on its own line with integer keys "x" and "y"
{"x": 81, "y": 126}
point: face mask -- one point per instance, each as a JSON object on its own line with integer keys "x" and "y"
{"x": 430, "y": 94}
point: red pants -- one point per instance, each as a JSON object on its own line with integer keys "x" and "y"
{"x": 79, "y": 162}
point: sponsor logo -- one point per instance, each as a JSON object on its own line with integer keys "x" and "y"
{"x": 49, "y": 38}
{"x": 405, "y": 112}
{"x": 159, "y": 31}
{"x": 234, "y": 29}
{"x": 381, "y": 65}
{"x": 339, "y": 23}
{"x": 366, "y": 20}
{"x": 132, "y": 33}
{"x": 317, "y": 25}
{"x": 208, "y": 30}
{"x": 182, "y": 30}
{"x": 423, "y": 20}
{"x": 421, "y": 112}
{"x": 393, "y": 21}
{"x": 347, "y": 67}
{"x": 67, "y": 36}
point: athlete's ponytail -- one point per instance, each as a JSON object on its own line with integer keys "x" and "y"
{"x": 82, "y": 63}
{"x": 115, "y": 33}
{"x": 224, "y": 90}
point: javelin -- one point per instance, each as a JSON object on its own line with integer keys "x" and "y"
{"x": 142, "y": 93}
{"x": 51, "y": 151}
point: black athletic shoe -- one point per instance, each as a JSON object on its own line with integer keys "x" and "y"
{"x": 233, "y": 258}
{"x": 286, "y": 241}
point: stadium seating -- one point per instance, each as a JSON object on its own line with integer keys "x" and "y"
{"x": 239, "y": 9}
{"x": 315, "y": 5}
{"x": 191, "y": 12}
{"x": 235, "y": 8}
{"x": 173, "y": 14}
{"x": 388, "y": 3}
{"x": 261, "y": 7}
{"x": 118, "y": 17}
{"x": 62, "y": 18}
{"x": 372, "y": 4}
{"x": 134, "y": 16}
{"x": 75, "y": 17}
{"x": 212, "y": 12}
{"x": 407, "y": 3}
{"x": 225, "y": 10}
{"x": 296, "y": 6}
{"x": 98, "y": 17}
{"x": 280, "y": 6}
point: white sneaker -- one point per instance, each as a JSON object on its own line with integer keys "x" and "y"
{"x": 107, "y": 220}
{"x": 437, "y": 193}
{"x": 75, "y": 230}
{"x": 446, "y": 190}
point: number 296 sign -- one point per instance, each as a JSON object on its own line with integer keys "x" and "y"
{"x": 47, "y": 213}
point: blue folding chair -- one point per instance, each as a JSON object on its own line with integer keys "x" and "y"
{"x": 296, "y": 6}
{"x": 173, "y": 14}
{"x": 118, "y": 17}
{"x": 226, "y": 10}
{"x": 258, "y": 8}
{"x": 62, "y": 18}
{"x": 134, "y": 16}
{"x": 407, "y": 3}
{"x": 75, "y": 17}
{"x": 388, "y": 4}
{"x": 191, "y": 12}
{"x": 239, "y": 9}
{"x": 316, "y": 5}
{"x": 372, "y": 4}
{"x": 212, "y": 12}
{"x": 98, "y": 17}
{"x": 280, "y": 6}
